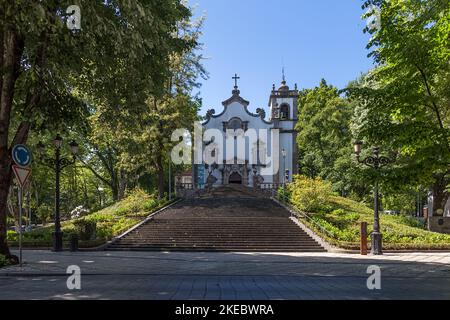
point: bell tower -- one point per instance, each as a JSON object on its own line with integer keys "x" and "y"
{"x": 283, "y": 106}
{"x": 283, "y": 102}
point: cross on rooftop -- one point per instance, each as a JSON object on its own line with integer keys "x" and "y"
{"x": 236, "y": 78}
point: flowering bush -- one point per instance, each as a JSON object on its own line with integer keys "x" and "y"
{"x": 78, "y": 212}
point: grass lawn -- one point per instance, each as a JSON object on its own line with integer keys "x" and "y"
{"x": 342, "y": 225}
{"x": 338, "y": 219}
{"x": 110, "y": 222}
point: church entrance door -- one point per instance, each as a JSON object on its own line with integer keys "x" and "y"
{"x": 235, "y": 178}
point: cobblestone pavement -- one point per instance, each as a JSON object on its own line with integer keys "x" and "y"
{"x": 228, "y": 276}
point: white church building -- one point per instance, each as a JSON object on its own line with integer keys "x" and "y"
{"x": 275, "y": 143}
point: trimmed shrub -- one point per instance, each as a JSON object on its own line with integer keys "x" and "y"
{"x": 12, "y": 235}
{"x": 310, "y": 195}
{"x": 87, "y": 230}
{"x": 3, "y": 261}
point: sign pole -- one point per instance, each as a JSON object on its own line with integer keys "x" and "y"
{"x": 170, "y": 179}
{"x": 20, "y": 225}
{"x": 22, "y": 158}
{"x": 29, "y": 207}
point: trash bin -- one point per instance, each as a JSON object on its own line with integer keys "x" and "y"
{"x": 73, "y": 242}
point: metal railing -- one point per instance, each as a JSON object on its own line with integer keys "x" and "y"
{"x": 185, "y": 186}
{"x": 270, "y": 186}
{"x": 189, "y": 186}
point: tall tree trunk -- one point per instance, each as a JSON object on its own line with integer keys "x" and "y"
{"x": 5, "y": 181}
{"x": 160, "y": 170}
{"x": 122, "y": 187}
{"x": 12, "y": 52}
{"x": 115, "y": 191}
{"x": 113, "y": 180}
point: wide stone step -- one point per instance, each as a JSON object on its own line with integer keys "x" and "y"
{"x": 218, "y": 232}
{"x": 218, "y": 227}
{"x": 228, "y": 249}
{"x": 227, "y": 235}
{"x": 216, "y": 236}
{"x": 240, "y": 223}
{"x": 240, "y": 238}
{"x": 227, "y": 220}
{"x": 219, "y": 241}
{"x": 243, "y": 224}
{"x": 164, "y": 245}
{"x": 204, "y": 226}
{"x": 231, "y": 225}
{"x": 168, "y": 246}
{"x": 220, "y": 247}
{"x": 215, "y": 230}
{"x": 214, "y": 220}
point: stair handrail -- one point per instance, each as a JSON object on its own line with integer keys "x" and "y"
{"x": 286, "y": 201}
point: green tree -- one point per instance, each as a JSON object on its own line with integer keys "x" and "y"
{"x": 403, "y": 104}
{"x": 127, "y": 146}
{"x": 324, "y": 138}
{"x": 121, "y": 52}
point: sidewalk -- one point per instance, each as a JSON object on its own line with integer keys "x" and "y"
{"x": 47, "y": 262}
{"x": 156, "y": 275}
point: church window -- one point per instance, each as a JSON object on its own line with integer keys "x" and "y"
{"x": 235, "y": 124}
{"x": 284, "y": 111}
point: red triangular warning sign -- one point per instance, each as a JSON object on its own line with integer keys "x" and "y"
{"x": 22, "y": 174}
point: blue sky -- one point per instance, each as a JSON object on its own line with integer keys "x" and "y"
{"x": 314, "y": 39}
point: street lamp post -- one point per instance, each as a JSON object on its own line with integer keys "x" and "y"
{"x": 254, "y": 170}
{"x": 284, "y": 154}
{"x": 58, "y": 164}
{"x": 100, "y": 191}
{"x": 377, "y": 162}
{"x": 170, "y": 179}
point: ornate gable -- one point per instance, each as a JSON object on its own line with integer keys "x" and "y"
{"x": 236, "y": 98}
{"x": 260, "y": 113}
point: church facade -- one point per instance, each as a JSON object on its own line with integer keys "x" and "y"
{"x": 270, "y": 158}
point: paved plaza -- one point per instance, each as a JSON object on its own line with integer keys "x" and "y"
{"x": 226, "y": 276}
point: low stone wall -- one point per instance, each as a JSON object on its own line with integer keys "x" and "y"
{"x": 439, "y": 224}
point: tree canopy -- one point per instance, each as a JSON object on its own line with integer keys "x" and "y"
{"x": 403, "y": 104}
{"x": 86, "y": 83}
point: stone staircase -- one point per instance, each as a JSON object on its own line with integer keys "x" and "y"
{"x": 232, "y": 224}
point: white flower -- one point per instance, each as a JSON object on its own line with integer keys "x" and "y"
{"x": 78, "y": 212}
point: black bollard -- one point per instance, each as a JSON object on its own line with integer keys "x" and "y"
{"x": 73, "y": 242}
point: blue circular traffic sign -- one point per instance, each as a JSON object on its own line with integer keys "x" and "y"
{"x": 21, "y": 155}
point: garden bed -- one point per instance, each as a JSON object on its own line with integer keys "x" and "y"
{"x": 337, "y": 220}
{"x": 97, "y": 228}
